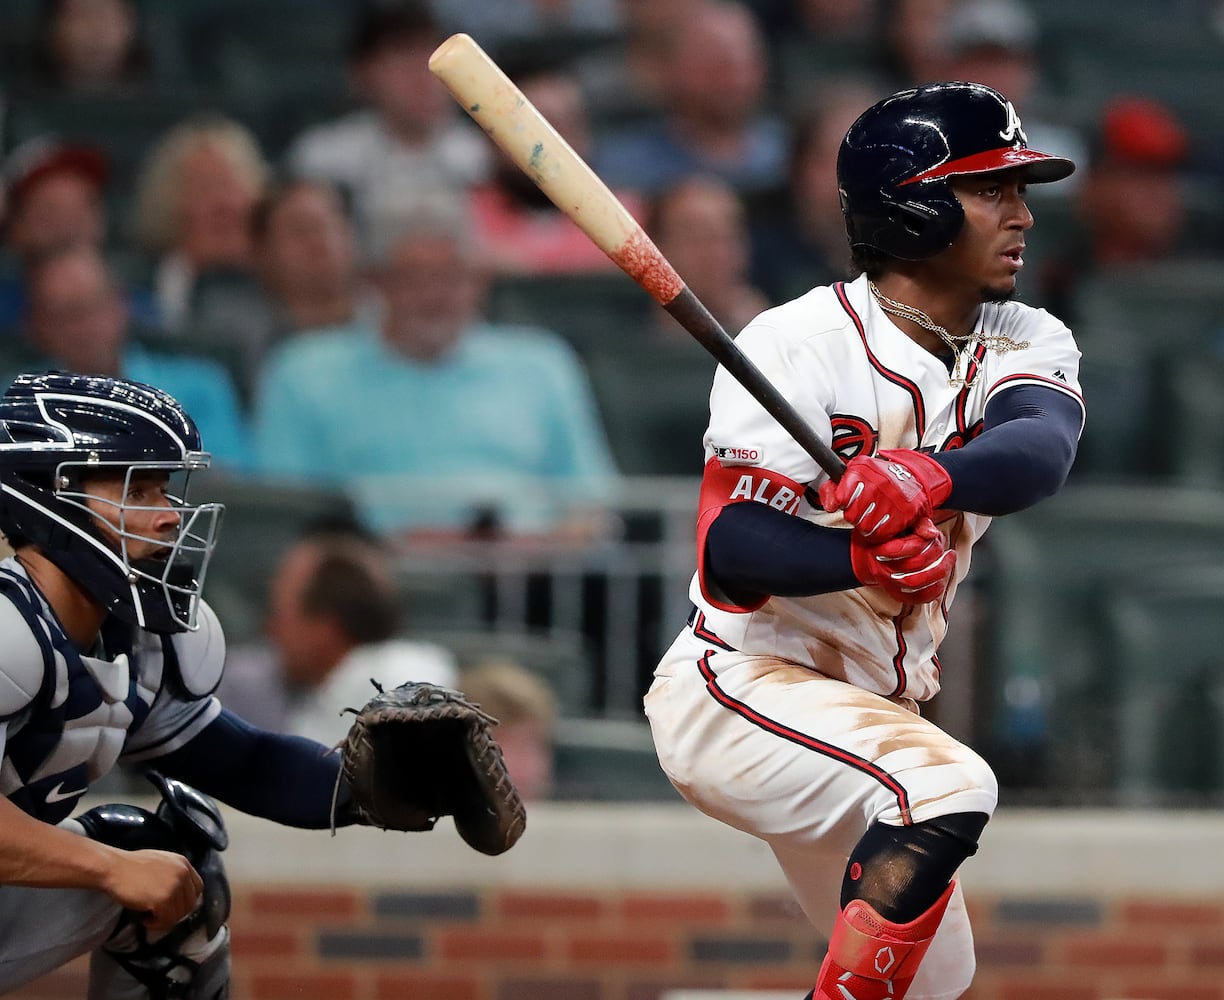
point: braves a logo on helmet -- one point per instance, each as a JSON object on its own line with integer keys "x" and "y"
{"x": 1013, "y": 131}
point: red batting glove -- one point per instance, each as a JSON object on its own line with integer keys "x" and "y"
{"x": 886, "y": 495}
{"x": 913, "y": 568}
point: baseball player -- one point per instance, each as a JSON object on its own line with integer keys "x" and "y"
{"x": 109, "y": 654}
{"x": 788, "y": 707}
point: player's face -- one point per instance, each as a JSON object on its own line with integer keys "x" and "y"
{"x": 988, "y": 252}
{"x": 134, "y": 514}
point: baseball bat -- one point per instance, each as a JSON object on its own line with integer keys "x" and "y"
{"x": 514, "y": 124}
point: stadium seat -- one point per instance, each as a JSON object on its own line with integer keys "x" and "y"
{"x": 1144, "y": 320}
{"x": 1195, "y": 440}
{"x": 1171, "y": 302}
{"x": 591, "y": 311}
{"x": 1047, "y": 575}
{"x": 608, "y": 760}
{"x": 561, "y": 658}
{"x": 655, "y": 405}
{"x": 1122, "y": 438}
{"x": 1164, "y": 640}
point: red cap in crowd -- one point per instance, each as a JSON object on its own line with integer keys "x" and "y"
{"x": 37, "y": 160}
{"x": 1144, "y": 132}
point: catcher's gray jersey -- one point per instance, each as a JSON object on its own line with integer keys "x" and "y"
{"x": 66, "y": 718}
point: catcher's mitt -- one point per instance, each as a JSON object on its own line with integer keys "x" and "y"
{"x": 421, "y": 751}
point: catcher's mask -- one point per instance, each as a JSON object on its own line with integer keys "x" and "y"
{"x": 895, "y": 161}
{"x": 59, "y": 433}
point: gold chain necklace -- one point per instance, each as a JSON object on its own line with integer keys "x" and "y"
{"x": 958, "y": 344}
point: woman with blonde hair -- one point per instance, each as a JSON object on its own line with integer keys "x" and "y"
{"x": 193, "y": 204}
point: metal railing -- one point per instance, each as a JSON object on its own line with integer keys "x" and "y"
{"x": 623, "y": 598}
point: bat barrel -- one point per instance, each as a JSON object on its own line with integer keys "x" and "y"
{"x": 513, "y": 123}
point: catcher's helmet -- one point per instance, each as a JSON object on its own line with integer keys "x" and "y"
{"x": 56, "y": 429}
{"x": 895, "y": 161}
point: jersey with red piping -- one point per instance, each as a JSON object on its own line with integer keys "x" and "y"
{"x": 863, "y": 385}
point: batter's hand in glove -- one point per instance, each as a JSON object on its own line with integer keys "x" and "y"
{"x": 886, "y": 495}
{"x": 913, "y": 568}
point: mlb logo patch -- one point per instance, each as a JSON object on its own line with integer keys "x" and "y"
{"x": 739, "y": 455}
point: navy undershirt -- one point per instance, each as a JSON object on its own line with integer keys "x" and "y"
{"x": 286, "y": 779}
{"x": 1023, "y": 454}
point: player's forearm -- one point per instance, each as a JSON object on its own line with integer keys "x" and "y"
{"x": 34, "y": 853}
{"x": 752, "y": 549}
{"x": 1023, "y": 455}
{"x": 286, "y": 779}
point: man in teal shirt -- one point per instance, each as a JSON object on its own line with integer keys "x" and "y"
{"x": 436, "y": 421}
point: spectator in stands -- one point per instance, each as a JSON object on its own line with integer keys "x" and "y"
{"x": 627, "y": 79}
{"x": 700, "y": 226}
{"x": 77, "y": 321}
{"x": 519, "y": 229}
{"x": 839, "y": 18}
{"x": 507, "y": 22}
{"x": 799, "y": 238}
{"x": 713, "y": 120}
{"x": 305, "y": 274}
{"x": 90, "y": 47}
{"x": 434, "y": 420}
{"x": 56, "y": 198}
{"x": 194, "y": 198}
{"x": 1130, "y": 205}
{"x": 333, "y": 623}
{"x": 526, "y": 711}
{"x": 995, "y": 42}
{"x": 407, "y": 141}
{"x": 912, "y": 41}
{"x": 815, "y": 44}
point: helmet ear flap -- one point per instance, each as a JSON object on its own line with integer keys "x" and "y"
{"x": 912, "y": 220}
{"x": 918, "y": 229}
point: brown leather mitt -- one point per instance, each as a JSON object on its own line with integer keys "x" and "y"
{"x": 420, "y": 751}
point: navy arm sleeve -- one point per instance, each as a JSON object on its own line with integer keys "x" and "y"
{"x": 1024, "y": 453}
{"x": 286, "y": 779}
{"x": 753, "y": 549}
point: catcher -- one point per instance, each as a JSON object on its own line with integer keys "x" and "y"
{"x": 109, "y": 655}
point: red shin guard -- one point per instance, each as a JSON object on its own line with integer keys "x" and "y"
{"x": 871, "y": 958}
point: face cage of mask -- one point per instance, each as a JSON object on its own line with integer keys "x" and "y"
{"x": 181, "y": 564}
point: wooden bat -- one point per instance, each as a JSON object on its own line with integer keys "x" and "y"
{"x": 511, "y": 121}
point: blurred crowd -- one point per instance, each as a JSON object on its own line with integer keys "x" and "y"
{"x": 275, "y": 212}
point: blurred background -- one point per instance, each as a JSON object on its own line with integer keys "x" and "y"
{"x": 272, "y": 210}
{"x": 456, "y": 444}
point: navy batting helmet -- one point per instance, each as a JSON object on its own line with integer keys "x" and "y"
{"x": 57, "y": 429}
{"x": 895, "y": 161}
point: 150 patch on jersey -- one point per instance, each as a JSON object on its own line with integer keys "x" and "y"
{"x": 752, "y": 454}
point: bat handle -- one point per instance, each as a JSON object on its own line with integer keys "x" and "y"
{"x": 690, "y": 313}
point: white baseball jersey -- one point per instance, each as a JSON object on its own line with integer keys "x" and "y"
{"x": 862, "y": 384}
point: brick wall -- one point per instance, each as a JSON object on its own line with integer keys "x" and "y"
{"x": 622, "y": 936}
